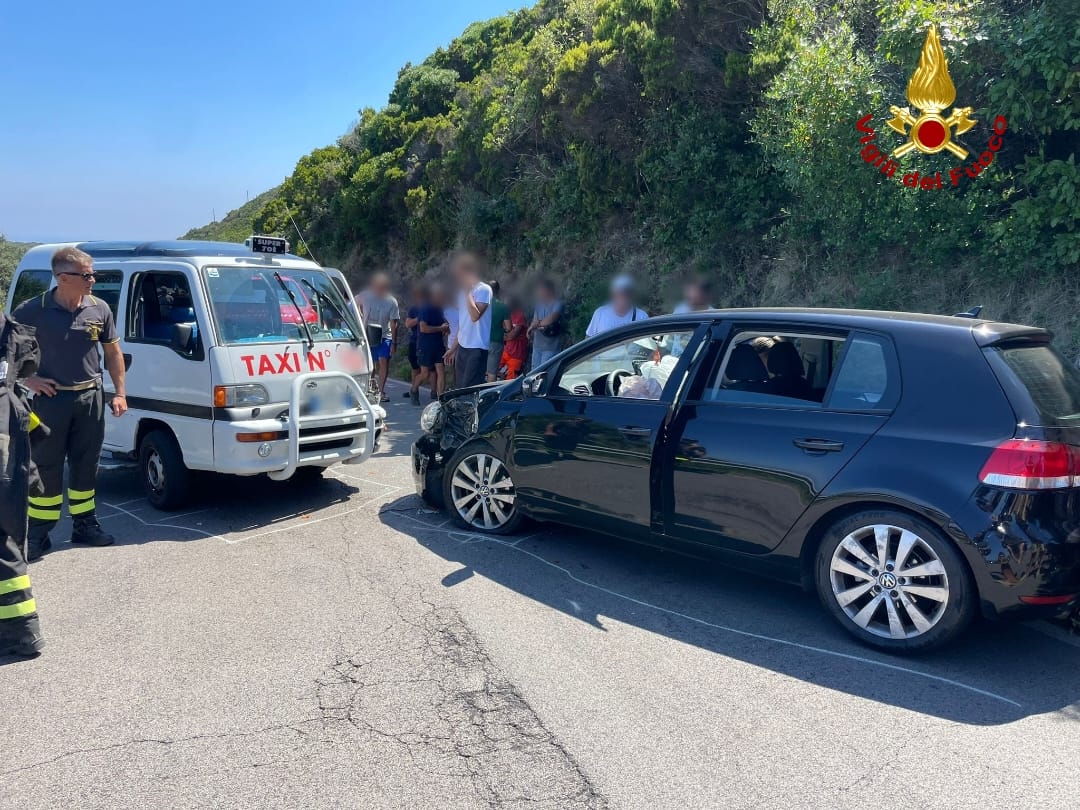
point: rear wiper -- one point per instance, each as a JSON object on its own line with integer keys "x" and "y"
{"x": 326, "y": 299}
{"x": 299, "y": 312}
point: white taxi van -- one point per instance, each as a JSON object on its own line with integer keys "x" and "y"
{"x": 242, "y": 359}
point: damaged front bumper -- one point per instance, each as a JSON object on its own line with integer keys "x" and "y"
{"x": 450, "y": 423}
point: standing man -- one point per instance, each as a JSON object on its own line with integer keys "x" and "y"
{"x": 515, "y": 339}
{"x": 71, "y": 324}
{"x": 379, "y": 307}
{"x": 619, "y": 311}
{"x": 418, "y": 301}
{"x": 20, "y": 631}
{"x": 469, "y": 350}
{"x": 431, "y": 346}
{"x": 546, "y": 329}
{"x": 697, "y": 297}
{"x": 499, "y": 314}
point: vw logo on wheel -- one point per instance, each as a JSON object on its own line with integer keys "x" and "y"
{"x": 887, "y": 580}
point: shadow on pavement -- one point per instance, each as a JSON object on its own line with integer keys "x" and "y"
{"x": 996, "y": 673}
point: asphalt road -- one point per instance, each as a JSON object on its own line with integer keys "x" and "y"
{"x": 344, "y": 647}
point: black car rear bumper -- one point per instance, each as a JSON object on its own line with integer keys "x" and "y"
{"x": 1029, "y": 552}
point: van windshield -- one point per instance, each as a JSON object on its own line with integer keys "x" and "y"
{"x": 251, "y": 306}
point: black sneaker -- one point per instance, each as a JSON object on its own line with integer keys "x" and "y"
{"x": 415, "y": 396}
{"x": 37, "y": 547}
{"x": 21, "y": 637}
{"x": 406, "y": 395}
{"x": 90, "y": 533}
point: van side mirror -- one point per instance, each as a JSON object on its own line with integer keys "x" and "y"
{"x": 533, "y": 386}
{"x": 183, "y": 338}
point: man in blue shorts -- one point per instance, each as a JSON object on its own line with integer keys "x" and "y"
{"x": 380, "y": 308}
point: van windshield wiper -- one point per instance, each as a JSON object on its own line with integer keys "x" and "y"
{"x": 299, "y": 312}
{"x": 329, "y": 301}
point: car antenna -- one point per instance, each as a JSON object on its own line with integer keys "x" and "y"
{"x": 971, "y": 313}
{"x": 299, "y": 233}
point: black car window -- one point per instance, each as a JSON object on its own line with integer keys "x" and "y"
{"x": 636, "y": 367}
{"x": 1051, "y": 381}
{"x": 784, "y": 368}
{"x": 157, "y": 302}
{"x": 31, "y": 284}
{"x": 867, "y": 378}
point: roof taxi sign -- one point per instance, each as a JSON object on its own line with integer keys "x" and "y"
{"x": 268, "y": 245}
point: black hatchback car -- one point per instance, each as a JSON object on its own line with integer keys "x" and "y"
{"x": 913, "y": 469}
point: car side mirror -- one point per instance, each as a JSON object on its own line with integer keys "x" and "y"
{"x": 534, "y": 385}
{"x": 183, "y": 337}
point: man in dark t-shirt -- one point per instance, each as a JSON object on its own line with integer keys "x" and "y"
{"x": 432, "y": 329}
{"x": 71, "y": 324}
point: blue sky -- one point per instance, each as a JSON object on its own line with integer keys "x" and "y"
{"x": 122, "y": 119}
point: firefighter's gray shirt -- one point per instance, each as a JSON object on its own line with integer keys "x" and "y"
{"x": 69, "y": 340}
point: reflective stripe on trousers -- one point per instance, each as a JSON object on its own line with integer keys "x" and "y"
{"x": 25, "y": 605}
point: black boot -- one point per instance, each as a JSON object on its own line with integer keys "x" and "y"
{"x": 21, "y": 637}
{"x": 37, "y": 547}
{"x": 89, "y": 532}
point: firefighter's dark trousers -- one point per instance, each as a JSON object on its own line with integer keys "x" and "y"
{"x": 16, "y": 601}
{"x": 76, "y": 424}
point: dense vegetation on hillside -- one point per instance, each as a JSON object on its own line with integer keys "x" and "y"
{"x": 237, "y": 225}
{"x": 581, "y": 137}
{"x": 10, "y": 254}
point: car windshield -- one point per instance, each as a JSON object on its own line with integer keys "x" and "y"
{"x": 251, "y": 306}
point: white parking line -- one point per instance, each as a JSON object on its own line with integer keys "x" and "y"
{"x": 388, "y": 491}
{"x": 471, "y": 537}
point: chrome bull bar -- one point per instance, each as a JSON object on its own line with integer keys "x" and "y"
{"x": 349, "y": 429}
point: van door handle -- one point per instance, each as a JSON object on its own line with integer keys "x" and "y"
{"x": 634, "y": 430}
{"x": 819, "y": 445}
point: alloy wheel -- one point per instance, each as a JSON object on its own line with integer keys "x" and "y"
{"x": 889, "y": 581}
{"x": 482, "y": 492}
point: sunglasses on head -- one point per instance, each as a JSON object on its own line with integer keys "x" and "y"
{"x": 83, "y": 276}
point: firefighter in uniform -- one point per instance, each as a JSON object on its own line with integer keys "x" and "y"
{"x": 20, "y": 632}
{"x": 70, "y": 324}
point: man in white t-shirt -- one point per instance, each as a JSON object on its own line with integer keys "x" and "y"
{"x": 619, "y": 311}
{"x": 469, "y": 348}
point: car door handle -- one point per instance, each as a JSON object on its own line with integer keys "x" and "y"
{"x": 634, "y": 430}
{"x": 819, "y": 445}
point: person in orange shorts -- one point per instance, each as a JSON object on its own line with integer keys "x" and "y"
{"x": 515, "y": 340}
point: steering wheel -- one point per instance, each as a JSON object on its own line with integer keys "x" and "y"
{"x": 614, "y": 381}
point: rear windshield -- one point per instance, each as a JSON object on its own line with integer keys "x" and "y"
{"x": 1052, "y": 382}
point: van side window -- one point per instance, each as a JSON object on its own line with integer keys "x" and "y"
{"x": 784, "y": 368}
{"x": 107, "y": 287}
{"x": 31, "y": 284}
{"x": 159, "y": 302}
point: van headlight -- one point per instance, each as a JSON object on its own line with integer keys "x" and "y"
{"x": 430, "y": 416}
{"x": 239, "y": 396}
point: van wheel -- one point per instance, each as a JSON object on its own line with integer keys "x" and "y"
{"x": 165, "y": 479}
{"x": 894, "y": 581}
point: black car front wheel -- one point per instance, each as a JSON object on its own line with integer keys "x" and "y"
{"x": 479, "y": 491}
{"x": 894, "y": 582}
{"x": 165, "y": 478}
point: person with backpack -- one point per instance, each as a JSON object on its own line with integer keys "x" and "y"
{"x": 546, "y": 328}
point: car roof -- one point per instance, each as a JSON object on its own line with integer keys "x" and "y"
{"x": 985, "y": 332}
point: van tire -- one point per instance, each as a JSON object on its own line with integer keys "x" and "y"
{"x": 166, "y": 481}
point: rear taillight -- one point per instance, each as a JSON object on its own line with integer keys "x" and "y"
{"x": 1030, "y": 464}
